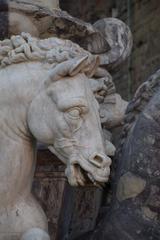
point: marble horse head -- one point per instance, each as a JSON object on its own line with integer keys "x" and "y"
{"x": 45, "y": 96}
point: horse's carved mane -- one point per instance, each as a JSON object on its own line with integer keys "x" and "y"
{"x": 54, "y": 51}
{"x": 142, "y": 96}
{"x": 24, "y": 48}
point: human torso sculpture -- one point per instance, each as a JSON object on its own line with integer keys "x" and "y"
{"x": 45, "y": 96}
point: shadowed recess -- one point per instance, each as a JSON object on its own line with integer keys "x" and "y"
{"x": 4, "y": 19}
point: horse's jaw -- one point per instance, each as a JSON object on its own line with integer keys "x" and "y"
{"x": 81, "y": 172}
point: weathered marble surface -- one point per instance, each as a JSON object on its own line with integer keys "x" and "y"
{"x": 41, "y": 20}
{"x": 119, "y": 38}
{"x": 46, "y": 95}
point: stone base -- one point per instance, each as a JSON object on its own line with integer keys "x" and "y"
{"x": 70, "y": 211}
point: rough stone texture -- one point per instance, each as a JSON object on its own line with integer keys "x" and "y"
{"x": 137, "y": 216}
{"x": 86, "y": 205}
{"x": 129, "y": 186}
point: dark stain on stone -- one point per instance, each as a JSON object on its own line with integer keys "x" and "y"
{"x": 4, "y": 19}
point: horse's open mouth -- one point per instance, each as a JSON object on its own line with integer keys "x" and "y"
{"x": 77, "y": 176}
{"x": 84, "y": 172}
{"x": 90, "y": 179}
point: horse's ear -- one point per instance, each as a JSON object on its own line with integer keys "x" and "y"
{"x": 87, "y": 64}
{"x": 77, "y": 65}
{"x": 68, "y": 68}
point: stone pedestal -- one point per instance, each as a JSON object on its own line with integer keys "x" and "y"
{"x": 48, "y": 187}
{"x": 70, "y": 211}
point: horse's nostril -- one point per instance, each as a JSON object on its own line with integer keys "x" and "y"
{"x": 98, "y": 159}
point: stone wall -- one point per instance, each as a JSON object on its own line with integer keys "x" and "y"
{"x": 143, "y": 18}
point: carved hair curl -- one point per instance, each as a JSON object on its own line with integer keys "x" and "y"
{"x": 23, "y": 48}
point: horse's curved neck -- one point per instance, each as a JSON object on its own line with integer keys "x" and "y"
{"x": 17, "y": 161}
{"x": 18, "y": 86}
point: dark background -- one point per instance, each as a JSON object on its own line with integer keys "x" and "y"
{"x": 143, "y": 17}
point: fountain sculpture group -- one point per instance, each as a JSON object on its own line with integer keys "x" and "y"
{"x": 56, "y": 92}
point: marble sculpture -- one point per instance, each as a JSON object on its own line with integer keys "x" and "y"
{"x": 54, "y": 92}
{"x": 46, "y": 95}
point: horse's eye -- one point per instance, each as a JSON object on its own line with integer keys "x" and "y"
{"x": 74, "y": 113}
